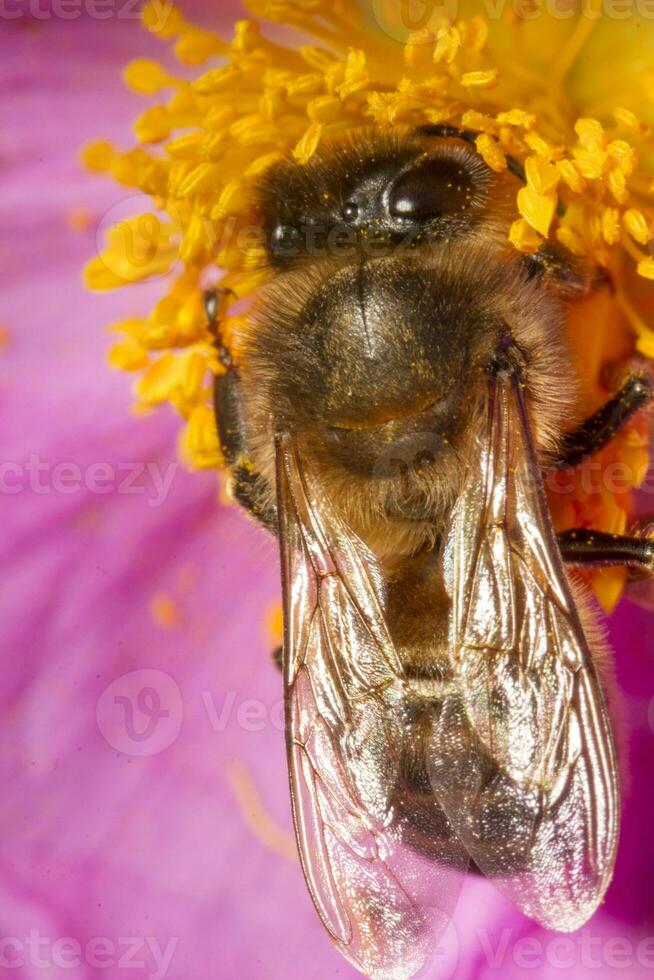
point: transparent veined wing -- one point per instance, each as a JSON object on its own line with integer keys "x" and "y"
{"x": 379, "y": 856}
{"x": 522, "y": 758}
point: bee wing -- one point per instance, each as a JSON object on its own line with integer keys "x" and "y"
{"x": 522, "y": 758}
{"x": 381, "y": 862}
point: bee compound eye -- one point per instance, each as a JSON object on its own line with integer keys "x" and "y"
{"x": 432, "y": 189}
{"x": 350, "y": 211}
{"x": 285, "y": 240}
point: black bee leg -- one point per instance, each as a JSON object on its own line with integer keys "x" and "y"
{"x": 212, "y": 302}
{"x": 597, "y": 549}
{"x": 277, "y": 656}
{"x": 247, "y": 486}
{"x": 564, "y": 273}
{"x": 598, "y": 431}
{"x": 251, "y": 491}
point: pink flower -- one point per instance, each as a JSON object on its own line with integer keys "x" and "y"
{"x": 145, "y": 815}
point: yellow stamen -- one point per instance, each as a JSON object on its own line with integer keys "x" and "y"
{"x": 646, "y": 268}
{"x": 537, "y": 209}
{"x": 480, "y": 79}
{"x": 492, "y": 152}
{"x": 636, "y": 224}
{"x": 586, "y": 24}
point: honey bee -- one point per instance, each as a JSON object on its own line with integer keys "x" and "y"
{"x": 403, "y": 387}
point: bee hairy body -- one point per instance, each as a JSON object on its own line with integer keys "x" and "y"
{"x": 402, "y": 384}
{"x": 373, "y": 338}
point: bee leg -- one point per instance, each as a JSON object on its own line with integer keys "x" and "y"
{"x": 565, "y": 274}
{"x": 251, "y": 491}
{"x": 581, "y": 546}
{"x": 246, "y": 485}
{"x": 598, "y": 431}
